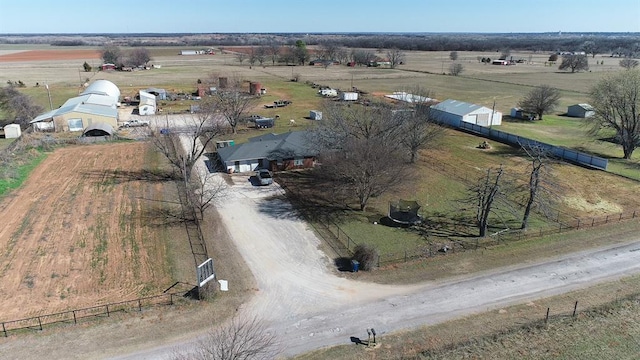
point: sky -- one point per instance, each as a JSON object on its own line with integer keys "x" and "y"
{"x": 313, "y": 16}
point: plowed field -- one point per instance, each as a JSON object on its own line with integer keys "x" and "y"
{"x": 40, "y": 55}
{"x": 80, "y": 232}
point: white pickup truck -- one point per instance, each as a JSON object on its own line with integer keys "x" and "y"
{"x": 135, "y": 123}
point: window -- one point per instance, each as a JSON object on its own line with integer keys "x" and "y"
{"x": 298, "y": 162}
{"x": 75, "y": 124}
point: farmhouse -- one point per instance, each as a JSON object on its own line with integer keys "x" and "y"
{"x": 454, "y": 112}
{"x": 580, "y": 111}
{"x": 97, "y": 104}
{"x": 271, "y": 151}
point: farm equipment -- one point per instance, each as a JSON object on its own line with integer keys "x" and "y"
{"x": 277, "y": 104}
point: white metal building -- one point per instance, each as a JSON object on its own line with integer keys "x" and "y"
{"x": 454, "y": 112}
{"x": 147, "y": 104}
{"x": 580, "y": 110}
{"x": 12, "y": 131}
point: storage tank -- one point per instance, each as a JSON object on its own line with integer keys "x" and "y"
{"x": 254, "y": 88}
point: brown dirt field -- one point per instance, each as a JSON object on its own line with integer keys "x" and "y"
{"x": 78, "y": 233}
{"x": 46, "y": 55}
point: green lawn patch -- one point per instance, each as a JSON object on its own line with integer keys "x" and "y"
{"x": 21, "y": 173}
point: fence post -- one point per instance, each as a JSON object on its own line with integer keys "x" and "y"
{"x": 546, "y": 318}
{"x": 592, "y": 221}
{"x": 348, "y": 243}
{"x": 578, "y": 225}
{"x": 40, "y": 323}
{"x": 575, "y": 308}
{"x": 560, "y": 228}
{"x": 4, "y": 330}
{"x": 75, "y": 321}
{"x": 634, "y": 214}
{"x": 139, "y": 305}
{"x": 171, "y": 299}
{"x": 107, "y": 306}
{"x": 606, "y": 220}
{"x": 405, "y": 256}
{"x": 620, "y": 216}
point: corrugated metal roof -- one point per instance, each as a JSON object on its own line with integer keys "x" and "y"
{"x": 103, "y": 87}
{"x": 585, "y": 106}
{"x": 457, "y": 107}
{"x": 91, "y": 99}
{"x": 81, "y": 108}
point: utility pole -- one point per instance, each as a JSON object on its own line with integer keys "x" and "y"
{"x": 49, "y": 94}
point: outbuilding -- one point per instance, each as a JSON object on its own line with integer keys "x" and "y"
{"x": 12, "y": 131}
{"x": 315, "y": 115}
{"x": 348, "y": 96}
{"x": 147, "y": 104}
{"x": 454, "y": 112}
{"x": 580, "y": 111}
{"x": 99, "y": 129}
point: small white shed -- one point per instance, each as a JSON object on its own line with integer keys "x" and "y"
{"x": 147, "y": 103}
{"x": 349, "y": 96}
{"x": 580, "y": 110}
{"x": 12, "y": 131}
{"x": 315, "y": 115}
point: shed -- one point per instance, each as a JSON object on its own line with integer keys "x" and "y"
{"x": 98, "y": 129}
{"x": 349, "y": 96}
{"x": 580, "y": 111}
{"x": 453, "y": 112}
{"x": 315, "y": 115}
{"x": 161, "y": 94}
{"x": 147, "y": 104}
{"x": 12, "y": 131}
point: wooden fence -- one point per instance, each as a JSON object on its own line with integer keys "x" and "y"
{"x": 78, "y": 315}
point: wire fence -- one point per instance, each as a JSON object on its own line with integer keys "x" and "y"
{"x": 344, "y": 245}
{"x": 94, "y": 312}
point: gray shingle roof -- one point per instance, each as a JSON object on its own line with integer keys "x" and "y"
{"x": 269, "y": 146}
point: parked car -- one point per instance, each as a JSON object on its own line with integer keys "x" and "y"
{"x": 264, "y": 177}
{"x": 135, "y": 123}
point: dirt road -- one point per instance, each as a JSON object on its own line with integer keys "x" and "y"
{"x": 310, "y": 307}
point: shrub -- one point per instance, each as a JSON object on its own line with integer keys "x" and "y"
{"x": 367, "y": 256}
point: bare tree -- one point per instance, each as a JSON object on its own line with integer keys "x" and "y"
{"x": 233, "y": 103}
{"x": 395, "y": 57}
{"x": 138, "y": 57}
{"x": 328, "y": 50}
{"x": 111, "y": 54}
{"x": 489, "y": 197}
{"x": 197, "y": 132}
{"x": 261, "y": 54}
{"x": 541, "y": 100}
{"x": 360, "y": 151}
{"x": 18, "y": 107}
{"x": 252, "y": 56}
{"x": 456, "y": 69}
{"x": 453, "y": 55}
{"x": 541, "y": 190}
{"x": 204, "y": 190}
{"x": 616, "y": 101}
{"x": 590, "y": 47}
{"x": 274, "y": 51}
{"x": 342, "y": 55}
{"x": 574, "y": 62}
{"x": 418, "y": 129}
{"x": 240, "y": 56}
{"x": 505, "y": 53}
{"x": 363, "y": 57}
{"x": 628, "y": 63}
{"x": 241, "y": 339}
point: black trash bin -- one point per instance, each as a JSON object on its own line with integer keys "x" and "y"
{"x": 355, "y": 265}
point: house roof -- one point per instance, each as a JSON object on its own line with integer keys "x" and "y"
{"x": 456, "y": 107}
{"x": 584, "y": 106}
{"x": 269, "y": 146}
